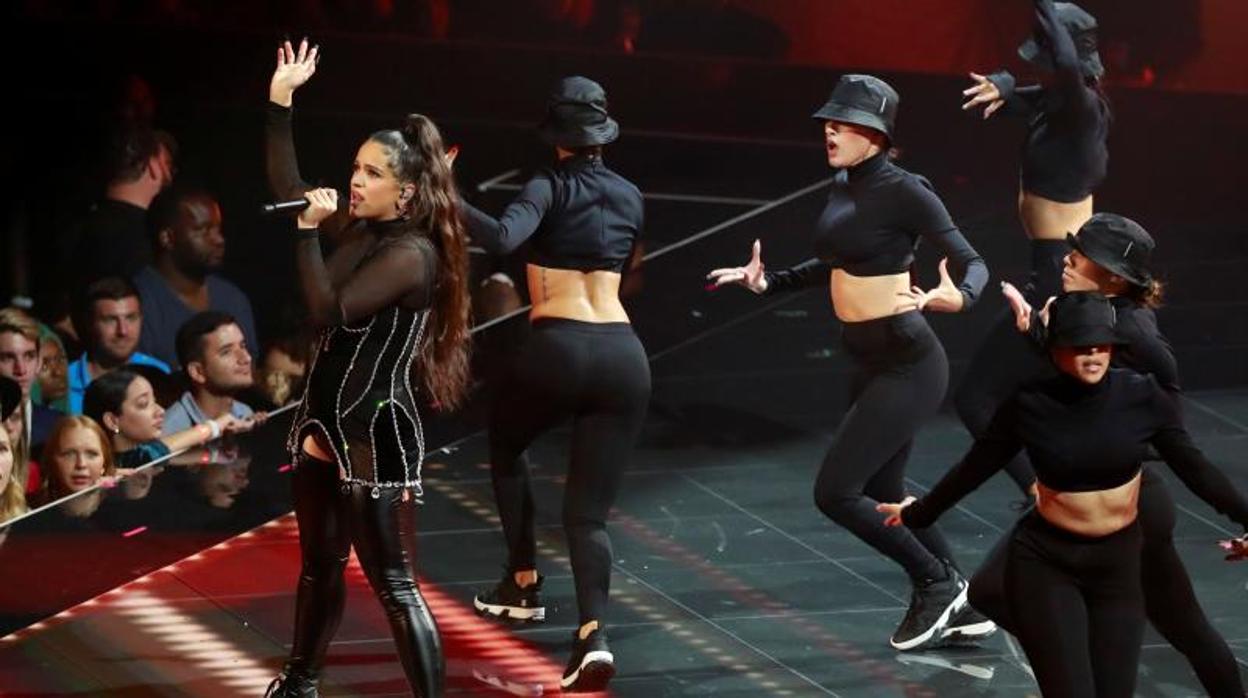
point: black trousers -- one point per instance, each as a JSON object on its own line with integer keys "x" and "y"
{"x": 598, "y": 375}
{"x": 1007, "y": 359}
{"x": 1169, "y": 601}
{"x": 333, "y": 516}
{"x": 900, "y": 381}
{"x": 1077, "y": 607}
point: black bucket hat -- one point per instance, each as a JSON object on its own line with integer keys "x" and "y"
{"x": 576, "y": 115}
{"x": 1082, "y": 319}
{"x": 10, "y": 396}
{"x": 1118, "y": 244}
{"x": 1082, "y": 29}
{"x": 864, "y": 100}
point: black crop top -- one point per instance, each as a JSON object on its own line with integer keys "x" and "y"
{"x": 1064, "y": 157}
{"x": 875, "y": 216}
{"x": 580, "y": 214}
{"x": 370, "y": 304}
{"x": 1084, "y": 438}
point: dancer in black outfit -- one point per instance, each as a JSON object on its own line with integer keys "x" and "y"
{"x": 1112, "y": 255}
{"x": 876, "y": 214}
{"x": 391, "y": 307}
{"x": 1072, "y": 570}
{"x": 1064, "y": 161}
{"x": 582, "y": 361}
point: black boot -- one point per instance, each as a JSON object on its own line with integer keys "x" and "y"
{"x": 293, "y": 683}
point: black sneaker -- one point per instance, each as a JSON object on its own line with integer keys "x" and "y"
{"x": 509, "y": 602}
{"x": 932, "y": 604}
{"x": 968, "y": 627}
{"x": 292, "y": 684}
{"x": 591, "y": 666}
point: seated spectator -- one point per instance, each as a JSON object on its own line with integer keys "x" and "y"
{"x": 213, "y": 353}
{"x": 19, "y": 360}
{"x": 123, "y": 403}
{"x": 52, "y": 387}
{"x": 185, "y": 228}
{"x": 112, "y": 240}
{"x": 110, "y": 319}
{"x": 76, "y": 456}
{"x": 12, "y": 485}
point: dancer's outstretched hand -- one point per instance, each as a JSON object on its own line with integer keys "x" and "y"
{"x": 945, "y": 298}
{"x": 1020, "y": 306}
{"x": 321, "y": 205}
{"x": 893, "y": 511}
{"x": 293, "y": 69}
{"x": 983, "y": 92}
{"x": 749, "y": 276}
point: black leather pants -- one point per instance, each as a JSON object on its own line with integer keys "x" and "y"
{"x": 333, "y": 516}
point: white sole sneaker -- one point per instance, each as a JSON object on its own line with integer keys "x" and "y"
{"x": 592, "y": 675}
{"x": 974, "y": 631}
{"x": 537, "y": 614}
{"x": 938, "y": 627}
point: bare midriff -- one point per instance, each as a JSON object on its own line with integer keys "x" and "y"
{"x": 862, "y": 298}
{"x": 1093, "y": 514}
{"x": 1046, "y": 219}
{"x": 584, "y": 296}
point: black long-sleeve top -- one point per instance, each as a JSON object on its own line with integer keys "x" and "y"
{"x": 370, "y": 303}
{"x": 1065, "y": 156}
{"x": 876, "y": 214}
{"x": 580, "y": 215}
{"x": 1084, "y": 438}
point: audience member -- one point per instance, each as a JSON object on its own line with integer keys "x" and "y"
{"x": 110, "y": 319}
{"x": 185, "y": 229}
{"x": 52, "y": 387}
{"x": 19, "y": 360}
{"x": 76, "y": 456}
{"x": 215, "y": 358}
{"x": 12, "y": 482}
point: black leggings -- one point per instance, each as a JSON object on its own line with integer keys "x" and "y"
{"x": 332, "y": 517}
{"x": 1077, "y": 607}
{"x": 900, "y": 380}
{"x": 1169, "y": 601}
{"x": 1007, "y": 359}
{"x": 597, "y": 374}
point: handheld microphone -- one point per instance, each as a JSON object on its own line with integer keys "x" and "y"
{"x": 279, "y": 207}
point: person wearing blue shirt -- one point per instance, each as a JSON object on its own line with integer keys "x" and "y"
{"x": 110, "y": 319}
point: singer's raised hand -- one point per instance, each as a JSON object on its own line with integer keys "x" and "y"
{"x": 321, "y": 205}
{"x": 293, "y": 69}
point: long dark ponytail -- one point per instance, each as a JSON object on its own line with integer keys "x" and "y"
{"x": 417, "y": 156}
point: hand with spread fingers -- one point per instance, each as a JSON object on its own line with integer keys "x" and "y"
{"x": 293, "y": 69}
{"x": 749, "y": 276}
{"x": 945, "y": 298}
{"x": 983, "y": 92}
